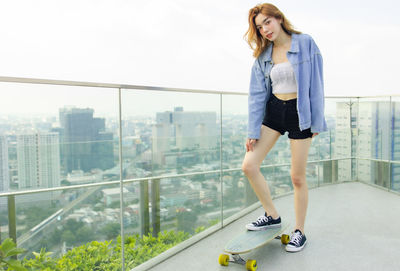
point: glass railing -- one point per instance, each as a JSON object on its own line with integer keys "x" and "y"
{"x": 88, "y": 165}
{"x": 378, "y": 143}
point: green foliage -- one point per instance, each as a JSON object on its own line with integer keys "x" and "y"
{"x": 106, "y": 256}
{"x": 84, "y": 234}
{"x": 8, "y": 251}
{"x": 68, "y": 237}
{"x": 214, "y": 221}
{"x": 42, "y": 261}
{"x": 74, "y": 233}
{"x": 199, "y": 229}
{"x": 34, "y": 215}
{"x": 55, "y": 236}
{"x": 139, "y": 250}
{"x": 111, "y": 230}
{"x": 93, "y": 256}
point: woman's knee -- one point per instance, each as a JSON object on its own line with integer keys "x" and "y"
{"x": 298, "y": 179}
{"x": 249, "y": 169}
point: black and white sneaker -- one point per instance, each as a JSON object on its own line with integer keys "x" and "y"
{"x": 297, "y": 241}
{"x": 264, "y": 222}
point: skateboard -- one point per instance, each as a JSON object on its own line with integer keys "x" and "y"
{"x": 249, "y": 240}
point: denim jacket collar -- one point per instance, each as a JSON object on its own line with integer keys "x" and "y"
{"x": 294, "y": 48}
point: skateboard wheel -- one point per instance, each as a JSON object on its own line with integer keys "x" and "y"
{"x": 223, "y": 259}
{"x": 251, "y": 265}
{"x": 285, "y": 239}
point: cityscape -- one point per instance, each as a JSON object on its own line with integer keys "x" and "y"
{"x": 123, "y": 127}
{"x": 77, "y": 147}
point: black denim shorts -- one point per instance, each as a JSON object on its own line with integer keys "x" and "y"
{"x": 282, "y": 116}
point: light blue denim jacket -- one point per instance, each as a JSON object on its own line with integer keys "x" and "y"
{"x": 306, "y": 61}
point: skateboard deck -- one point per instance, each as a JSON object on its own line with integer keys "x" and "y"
{"x": 250, "y": 240}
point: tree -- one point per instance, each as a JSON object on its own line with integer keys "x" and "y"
{"x": 84, "y": 234}
{"x": 111, "y": 230}
{"x": 68, "y": 237}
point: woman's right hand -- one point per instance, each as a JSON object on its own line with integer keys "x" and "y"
{"x": 250, "y": 144}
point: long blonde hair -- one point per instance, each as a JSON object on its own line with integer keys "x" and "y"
{"x": 253, "y": 37}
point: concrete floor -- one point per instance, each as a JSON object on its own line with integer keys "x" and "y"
{"x": 350, "y": 226}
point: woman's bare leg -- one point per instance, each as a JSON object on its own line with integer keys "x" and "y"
{"x": 251, "y": 168}
{"x": 299, "y": 149}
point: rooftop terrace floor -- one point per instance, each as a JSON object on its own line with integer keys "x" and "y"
{"x": 349, "y": 226}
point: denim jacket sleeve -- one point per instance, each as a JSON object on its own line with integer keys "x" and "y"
{"x": 317, "y": 103}
{"x": 256, "y": 101}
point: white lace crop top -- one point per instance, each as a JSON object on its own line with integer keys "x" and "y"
{"x": 283, "y": 78}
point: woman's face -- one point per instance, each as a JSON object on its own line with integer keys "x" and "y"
{"x": 269, "y": 27}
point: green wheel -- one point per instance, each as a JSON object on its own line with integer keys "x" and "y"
{"x": 251, "y": 265}
{"x": 285, "y": 239}
{"x": 223, "y": 259}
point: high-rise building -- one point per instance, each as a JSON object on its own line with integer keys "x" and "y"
{"x": 163, "y": 136}
{"x": 373, "y": 132}
{"x": 395, "y": 146}
{"x": 38, "y": 156}
{"x": 183, "y": 130}
{"x": 344, "y": 142}
{"x": 195, "y": 129}
{"x": 379, "y": 138}
{"x": 86, "y": 145}
{"x": 4, "y": 171}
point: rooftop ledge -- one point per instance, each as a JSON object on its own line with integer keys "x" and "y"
{"x": 349, "y": 226}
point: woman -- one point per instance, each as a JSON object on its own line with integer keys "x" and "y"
{"x": 286, "y": 94}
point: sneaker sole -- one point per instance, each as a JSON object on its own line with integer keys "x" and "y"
{"x": 295, "y": 249}
{"x": 253, "y": 228}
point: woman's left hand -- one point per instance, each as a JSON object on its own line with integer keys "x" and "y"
{"x": 314, "y": 134}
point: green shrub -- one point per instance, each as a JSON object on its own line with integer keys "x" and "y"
{"x": 93, "y": 256}
{"x": 42, "y": 261}
{"x": 8, "y": 251}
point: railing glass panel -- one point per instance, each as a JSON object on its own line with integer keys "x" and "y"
{"x": 182, "y": 153}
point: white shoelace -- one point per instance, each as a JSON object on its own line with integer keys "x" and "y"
{"x": 261, "y": 219}
{"x": 296, "y": 238}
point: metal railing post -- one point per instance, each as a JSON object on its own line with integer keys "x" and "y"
{"x": 144, "y": 208}
{"x": 12, "y": 225}
{"x": 319, "y": 158}
{"x": 121, "y": 185}
{"x": 358, "y": 134}
{"x": 221, "y": 161}
{"x": 155, "y": 206}
{"x": 391, "y": 143}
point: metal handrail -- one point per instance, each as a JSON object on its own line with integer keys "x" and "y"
{"x": 25, "y": 80}
{"x": 108, "y": 85}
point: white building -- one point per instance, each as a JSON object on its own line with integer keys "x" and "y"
{"x": 4, "y": 172}
{"x": 184, "y": 131}
{"x": 395, "y": 153}
{"x": 38, "y": 158}
{"x": 111, "y": 195}
{"x": 343, "y": 140}
{"x": 374, "y": 138}
{"x": 376, "y": 134}
{"x": 163, "y": 136}
{"x": 195, "y": 129}
{"x": 77, "y": 177}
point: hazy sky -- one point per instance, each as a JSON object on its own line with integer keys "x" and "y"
{"x": 181, "y": 43}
